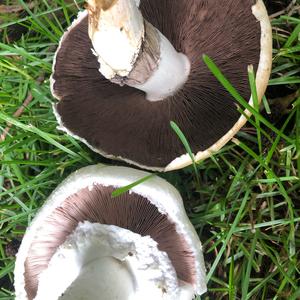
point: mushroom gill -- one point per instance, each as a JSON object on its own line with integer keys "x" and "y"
{"x": 130, "y": 211}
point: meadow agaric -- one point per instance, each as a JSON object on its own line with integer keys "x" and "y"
{"x": 126, "y": 68}
{"x": 84, "y": 244}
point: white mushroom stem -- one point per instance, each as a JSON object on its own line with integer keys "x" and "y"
{"x": 172, "y": 73}
{"x": 131, "y": 51}
{"x": 112, "y": 262}
{"x": 117, "y": 34}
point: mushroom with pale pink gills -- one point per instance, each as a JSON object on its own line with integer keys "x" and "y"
{"x": 86, "y": 244}
{"x": 126, "y": 68}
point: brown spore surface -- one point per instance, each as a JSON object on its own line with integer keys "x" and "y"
{"x": 120, "y": 121}
{"x": 130, "y": 211}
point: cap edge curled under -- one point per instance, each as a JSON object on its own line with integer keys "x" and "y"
{"x": 262, "y": 78}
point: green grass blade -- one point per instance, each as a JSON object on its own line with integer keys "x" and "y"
{"x": 187, "y": 147}
{"x": 125, "y": 189}
{"x": 228, "y": 86}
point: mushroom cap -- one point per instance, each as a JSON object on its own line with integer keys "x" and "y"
{"x": 118, "y": 122}
{"x": 153, "y": 209}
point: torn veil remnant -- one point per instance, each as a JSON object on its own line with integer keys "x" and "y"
{"x": 149, "y": 54}
{"x": 84, "y": 244}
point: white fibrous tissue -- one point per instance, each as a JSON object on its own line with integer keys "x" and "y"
{"x": 147, "y": 271}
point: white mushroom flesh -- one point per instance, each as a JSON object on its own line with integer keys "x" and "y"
{"x": 108, "y": 262}
{"x": 117, "y": 42}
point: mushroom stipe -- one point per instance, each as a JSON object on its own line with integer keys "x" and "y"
{"x": 119, "y": 122}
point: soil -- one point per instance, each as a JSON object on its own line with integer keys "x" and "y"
{"x": 274, "y": 6}
{"x": 11, "y": 250}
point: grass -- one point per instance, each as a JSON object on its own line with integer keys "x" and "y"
{"x": 246, "y": 208}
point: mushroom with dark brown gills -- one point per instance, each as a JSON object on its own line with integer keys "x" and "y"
{"x": 126, "y": 68}
{"x": 85, "y": 244}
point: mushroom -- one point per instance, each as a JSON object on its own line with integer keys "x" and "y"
{"x": 126, "y": 68}
{"x": 85, "y": 244}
